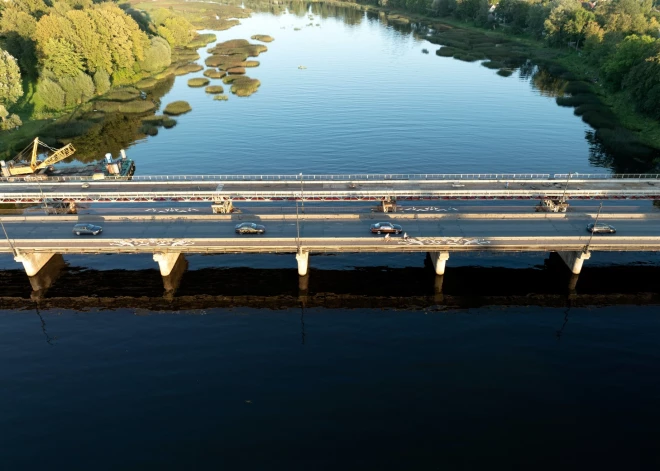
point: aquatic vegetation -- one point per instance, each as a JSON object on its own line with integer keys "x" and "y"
{"x": 466, "y": 57}
{"x": 138, "y": 106}
{"x": 577, "y": 87}
{"x": 493, "y": 64}
{"x": 296, "y": 29}
{"x": 169, "y": 123}
{"x": 236, "y": 71}
{"x": 198, "y": 82}
{"x": 505, "y": 72}
{"x": 598, "y": 121}
{"x": 425, "y": 51}
{"x": 264, "y": 38}
{"x": 251, "y": 64}
{"x": 242, "y": 85}
{"x": 147, "y": 83}
{"x": 187, "y": 69}
{"x": 177, "y": 108}
{"x": 213, "y": 89}
{"x": 221, "y": 97}
{"x": 579, "y": 99}
{"x": 148, "y": 129}
{"x": 156, "y": 121}
{"x": 214, "y": 74}
{"x": 181, "y": 56}
{"x": 446, "y": 51}
{"x": 122, "y": 94}
{"x": 225, "y": 62}
{"x": 201, "y": 40}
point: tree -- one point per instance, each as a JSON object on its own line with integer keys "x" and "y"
{"x": 101, "y": 81}
{"x": 61, "y": 58}
{"x": 158, "y": 56}
{"x": 10, "y": 79}
{"x": 630, "y": 52}
{"x": 77, "y": 89}
{"x": 51, "y": 94}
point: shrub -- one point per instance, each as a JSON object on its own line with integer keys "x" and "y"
{"x": 77, "y": 89}
{"x": 598, "y": 121}
{"x": 601, "y": 109}
{"x": 51, "y": 94}
{"x": 264, "y": 38}
{"x": 575, "y": 88}
{"x": 157, "y": 56}
{"x": 101, "y": 81}
{"x": 213, "y": 89}
{"x": 177, "y": 107}
{"x": 580, "y": 99}
{"x": 215, "y": 74}
{"x": 198, "y": 82}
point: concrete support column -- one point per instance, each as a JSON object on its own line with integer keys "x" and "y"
{"x": 437, "y": 288}
{"x": 46, "y": 277}
{"x": 172, "y": 281}
{"x": 33, "y": 262}
{"x": 167, "y": 261}
{"x": 302, "y": 257}
{"x": 574, "y": 260}
{"x": 439, "y": 260}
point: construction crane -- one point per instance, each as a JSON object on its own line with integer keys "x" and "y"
{"x": 18, "y": 165}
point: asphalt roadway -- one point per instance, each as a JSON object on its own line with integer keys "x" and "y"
{"x": 336, "y": 228}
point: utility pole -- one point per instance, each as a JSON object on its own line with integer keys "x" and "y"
{"x": 586, "y": 248}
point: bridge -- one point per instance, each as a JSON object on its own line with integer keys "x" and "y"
{"x": 323, "y": 188}
{"x": 37, "y": 242}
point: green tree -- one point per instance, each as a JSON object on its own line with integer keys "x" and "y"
{"x": 101, "y": 81}
{"x": 51, "y": 94}
{"x": 61, "y": 58}
{"x": 643, "y": 84}
{"x": 630, "y": 52}
{"x": 77, "y": 89}
{"x": 158, "y": 56}
{"x": 10, "y": 79}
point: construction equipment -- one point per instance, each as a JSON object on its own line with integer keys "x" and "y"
{"x": 552, "y": 205}
{"x": 19, "y": 165}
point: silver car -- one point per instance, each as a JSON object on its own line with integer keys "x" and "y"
{"x": 250, "y": 228}
{"x": 87, "y": 229}
{"x": 601, "y": 228}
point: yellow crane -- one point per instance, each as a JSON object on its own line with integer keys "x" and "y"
{"x": 18, "y": 165}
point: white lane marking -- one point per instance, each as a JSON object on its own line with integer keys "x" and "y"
{"x": 152, "y": 242}
{"x": 429, "y": 209}
{"x": 442, "y": 241}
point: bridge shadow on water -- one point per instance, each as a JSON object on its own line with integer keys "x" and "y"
{"x": 374, "y": 287}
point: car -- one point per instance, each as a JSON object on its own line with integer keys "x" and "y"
{"x": 87, "y": 229}
{"x": 601, "y": 228}
{"x": 250, "y": 228}
{"x": 85, "y": 185}
{"x": 386, "y": 227}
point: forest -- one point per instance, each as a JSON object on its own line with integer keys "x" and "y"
{"x": 65, "y": 52}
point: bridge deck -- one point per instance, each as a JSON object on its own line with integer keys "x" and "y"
{"x": 142, "y": 190}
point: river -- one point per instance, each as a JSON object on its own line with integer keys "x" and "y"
{"x": 489, "y": 380}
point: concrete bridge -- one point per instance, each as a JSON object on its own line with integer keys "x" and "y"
{"x": 216, "y": 188}
{"x": 41, "y": 242}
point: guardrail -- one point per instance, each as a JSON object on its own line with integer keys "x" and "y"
{"x": 510, "y": 177}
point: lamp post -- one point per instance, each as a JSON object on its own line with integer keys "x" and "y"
{"x": 297, "y": 228}
{"x": 563, "y": 196}
{"x": 13, "y": 249}
{"x": 302, "y": 195}
{"x": 586, "y": 248}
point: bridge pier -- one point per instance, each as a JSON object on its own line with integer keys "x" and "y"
{"x": 46, "y": 277}
{"x": 439, "y": 260}
{"x": 172, "y": 281}
{"x": 574, "y": 260}
{"x": 302, "y": 257}
{"x": 34, "y": 261}
{"x": 167, "y": 261}
{"x": 437, "y": 288}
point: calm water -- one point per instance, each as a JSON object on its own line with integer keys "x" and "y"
{"x": 369, "y": 101}
{"x": 506, "y": 387}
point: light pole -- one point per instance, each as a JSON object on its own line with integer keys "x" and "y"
{"x": 13, "y": 249}
{"x": 297, "y": 228}
{"x": 586, "y": 248}
{"x": 302, "y": 196}
{"x": 563, "y": 196}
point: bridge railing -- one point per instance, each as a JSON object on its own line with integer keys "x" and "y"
{"x": 340, "y": 178}
{"x": 289, "y": 178}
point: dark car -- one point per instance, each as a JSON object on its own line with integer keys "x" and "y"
{"x": 600, "y": 227}
{"x": 87, "y": 229}
{"x": 250, "y": 228}
{"x": 386, "y": 227}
